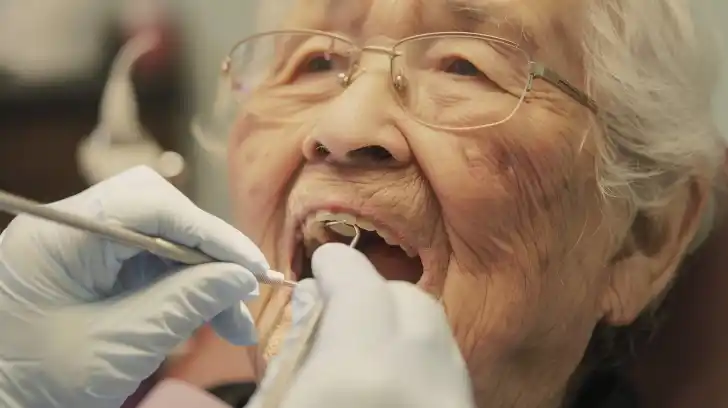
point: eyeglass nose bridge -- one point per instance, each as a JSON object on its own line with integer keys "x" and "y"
{"x": 355, "y": 70}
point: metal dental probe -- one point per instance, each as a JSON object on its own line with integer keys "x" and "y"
{"x": 18, "y": 205}
{"x": 287, "y": 369}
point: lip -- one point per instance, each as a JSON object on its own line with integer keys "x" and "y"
{"x": 299, "y": 215}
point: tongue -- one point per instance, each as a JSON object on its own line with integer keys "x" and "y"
{"x": 392, "y": 263}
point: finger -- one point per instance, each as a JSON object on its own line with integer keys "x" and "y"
{"x": 171, "y": 215}
{"x": 423, "y": 325}
{"x": 304, "y": 298}
{"x": 141, "y": 271}
{"x": 192, "y": 228}
{"x": 161, "y": 316}
{"x": 419, "y": 316}
{"x": 358, "y": 310}
{"x": 236, "y": 325}
{"x": 140, "y": 199}
{"x": 339, "y": 269}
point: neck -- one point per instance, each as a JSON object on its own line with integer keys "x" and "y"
{"x": 530, "y": 391}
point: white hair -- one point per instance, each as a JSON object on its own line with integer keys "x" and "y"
{"x": 652, "y": 69}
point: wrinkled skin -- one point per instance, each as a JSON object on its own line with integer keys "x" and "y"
{"x": 514, "y": 235}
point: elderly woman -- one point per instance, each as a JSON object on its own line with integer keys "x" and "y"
{"x": 540, "y": 167}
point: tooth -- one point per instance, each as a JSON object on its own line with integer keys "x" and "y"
{"x": 411, "y": 253}
{"x": 365, "y": 225}
{"x": 313, "y": 236}
{"x": 315, "y": 230}
{"x": 345, "y": 220}
{"x": 325, "y": 216}
{"x": 387, "y": 238}
{"x": 343, "y": 229}
{"x": 313, "y": 240}
{"x": 322, "y": 216}
{"x": 310, "y": 247}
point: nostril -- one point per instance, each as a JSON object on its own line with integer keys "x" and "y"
{"x": 371, "y": 153}
{"x": 321, "y": 150}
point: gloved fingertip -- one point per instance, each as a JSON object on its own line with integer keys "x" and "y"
{"x": 339, "y": 268}
{"x": 335, "y": 251}
{"x": 259, "y": 266}
{"x": 306, "y": 288}
{"x": 225, "y": 284}
{"x": 252, "y": 294}
{"x": 236, "y": 325}
{"x": 250, "y": 287}
{"x": 247, "y": 285}
{"x": 303, "y": 300}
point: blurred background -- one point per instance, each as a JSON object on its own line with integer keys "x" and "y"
{"x": 56, "y": 57}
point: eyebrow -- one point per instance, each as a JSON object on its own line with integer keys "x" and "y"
{"x": 474, "y": 12}
{"x": 474, "y": 15}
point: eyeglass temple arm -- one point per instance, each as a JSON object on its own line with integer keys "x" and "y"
{"x": 540, "y": 71}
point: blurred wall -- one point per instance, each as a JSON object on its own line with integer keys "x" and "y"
{"x": 211, "y": 29}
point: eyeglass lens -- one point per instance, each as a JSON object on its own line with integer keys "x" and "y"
{"x": 454, "y": 81}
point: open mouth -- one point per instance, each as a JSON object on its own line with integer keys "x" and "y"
{"x": 393, "y": 258}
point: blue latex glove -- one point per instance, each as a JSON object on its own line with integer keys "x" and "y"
{"x": 85, "y": 320}
{"x": 379, "y": 344}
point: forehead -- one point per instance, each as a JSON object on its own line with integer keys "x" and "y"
{"x": 522, "y": 21}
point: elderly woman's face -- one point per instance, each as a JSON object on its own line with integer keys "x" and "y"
{"x": 503, "y": 223}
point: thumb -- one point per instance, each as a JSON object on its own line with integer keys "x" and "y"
{"x": 304, "y": 298}
{"x": 164, "y": 314}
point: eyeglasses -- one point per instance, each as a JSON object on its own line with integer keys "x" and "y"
{"x": 449, "y": 80}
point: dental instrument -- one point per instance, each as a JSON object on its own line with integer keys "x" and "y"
{"x": 18, "y": 205}
{"x": 300, "y": 350}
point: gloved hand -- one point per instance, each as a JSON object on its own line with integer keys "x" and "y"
{"x": 83, "y": 320}
{"x": 379, "y": 344}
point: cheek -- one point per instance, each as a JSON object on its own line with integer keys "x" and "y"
{"x": 513, "y": 201}
{"x": 507, "y": 188}
{"x": 262, "y": 158}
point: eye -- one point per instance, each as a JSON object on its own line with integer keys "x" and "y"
{"x": 317, "y": 63}
{"x": 462, "y": 67}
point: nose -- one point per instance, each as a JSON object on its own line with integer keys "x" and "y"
{"x": 358, "y": 129}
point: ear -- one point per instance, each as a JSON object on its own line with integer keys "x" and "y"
{"x": 652, "y": 253}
